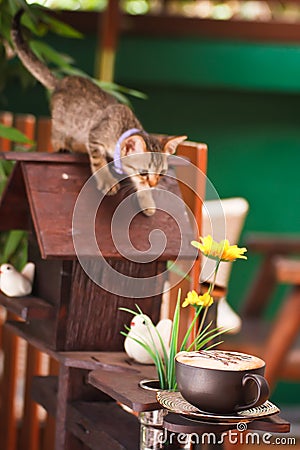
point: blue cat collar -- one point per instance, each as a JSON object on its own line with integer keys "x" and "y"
{"x": 117, "y": 154}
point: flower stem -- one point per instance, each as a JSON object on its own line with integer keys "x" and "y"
{"x": 212, "y": 285}
{"x": 202, "y": 320}
{"x": 210, "y": 291}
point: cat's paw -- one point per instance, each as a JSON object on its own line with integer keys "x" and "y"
{"x": 113, "y": 190}
{"x": 107, "y": 184}
{"x": 149, "y": 211}
{"x": 146, "y": 202}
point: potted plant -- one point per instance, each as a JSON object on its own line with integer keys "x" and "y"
{"x": 163, "y": 354}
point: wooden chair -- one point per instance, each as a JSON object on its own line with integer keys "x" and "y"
{"x": 21, "y": 360}
{"x": 274, "y": 342}
{"x": 192, "y": 186}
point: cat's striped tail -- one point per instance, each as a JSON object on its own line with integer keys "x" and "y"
{"x": 34, "y": 65}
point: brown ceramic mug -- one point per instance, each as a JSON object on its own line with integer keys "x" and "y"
{"x": 220, "y": 381}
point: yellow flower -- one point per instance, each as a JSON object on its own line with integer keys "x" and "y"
{"x": 219, "y": 250}
{"x": 194, "y": 299}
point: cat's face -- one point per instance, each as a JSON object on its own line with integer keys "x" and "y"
{"x": 147, "y": 159}
{"x": 145, "y": 169}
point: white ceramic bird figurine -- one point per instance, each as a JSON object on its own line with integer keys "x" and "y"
{"x": 14, "y": 283}
{"x": 142, "y": 328}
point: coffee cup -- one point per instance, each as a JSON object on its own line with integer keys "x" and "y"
{"x": 220, "y": 381}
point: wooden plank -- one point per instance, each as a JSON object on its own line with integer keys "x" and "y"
{"x": 36, "y": 336}
{"x": 65, "y": 158}
{"x": 69, "y": 158}
{"x": 27, "y": 308}
{"x": 113, "y": 361}
{"x": 56, "y": 188}
{"x": 164, "y": 25}
{"x": 125, "y": 389}
{"x": 273, "y": 243}
{"x": 105, "y": 423}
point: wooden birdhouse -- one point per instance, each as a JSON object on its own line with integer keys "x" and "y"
{"x": 68, "y": 309}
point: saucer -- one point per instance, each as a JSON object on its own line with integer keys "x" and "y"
{"x": 175, "y": 403}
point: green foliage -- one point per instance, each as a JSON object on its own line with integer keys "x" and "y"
{"x": 37, "y": 22}
{"x": 13, "y": 134}
{"x": 13, "y": 244}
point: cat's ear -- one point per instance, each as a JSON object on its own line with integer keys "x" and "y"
{"x": 134, "y": 144}
{"x": 172, "y": 143}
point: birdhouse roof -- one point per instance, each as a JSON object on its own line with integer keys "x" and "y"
{"x": 41, "y": 195}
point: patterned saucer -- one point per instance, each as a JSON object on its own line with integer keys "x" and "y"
{"x": 174, "y": 402}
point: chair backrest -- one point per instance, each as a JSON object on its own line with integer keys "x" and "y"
{"x": 222, "y": 219}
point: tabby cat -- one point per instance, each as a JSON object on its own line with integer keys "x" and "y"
{"x": 87, "y": 119}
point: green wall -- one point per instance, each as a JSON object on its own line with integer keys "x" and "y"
{"x": 242, "y": 99}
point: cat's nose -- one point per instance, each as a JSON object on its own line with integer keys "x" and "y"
{"x": 152, "y": 180}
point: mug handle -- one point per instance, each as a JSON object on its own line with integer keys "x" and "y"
{"x": 263, "y": 390}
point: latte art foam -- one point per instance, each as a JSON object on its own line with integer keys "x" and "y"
{"x": 220, "y": 360}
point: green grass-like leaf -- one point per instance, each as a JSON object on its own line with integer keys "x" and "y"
{"x": 165, "y": 365}
{"x": 173, "y": 267}
{"x": 14, "y": 135}
{"x": 173, "y": 344}
{"x": 131, "y": 311}
{"x": 11, "y": 244}
{"x": 154, "y": 356}
{"x": 188, "y": 333}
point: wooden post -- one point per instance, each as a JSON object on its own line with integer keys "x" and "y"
{"x": 30, "y": 432}
{"x": 26, "y": 124}
{"x": 8, "y": 419}
{"x": 49, "y": 429}
{"x": 44, "y": 135}
{"x": 107, "y": 40}
{"x": 6, "y": 118}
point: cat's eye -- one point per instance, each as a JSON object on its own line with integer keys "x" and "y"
{"x": 143, "y": 173}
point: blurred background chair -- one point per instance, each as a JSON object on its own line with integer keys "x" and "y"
{"x": 275, "y": 342}
{"x": 223, "y": 219}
